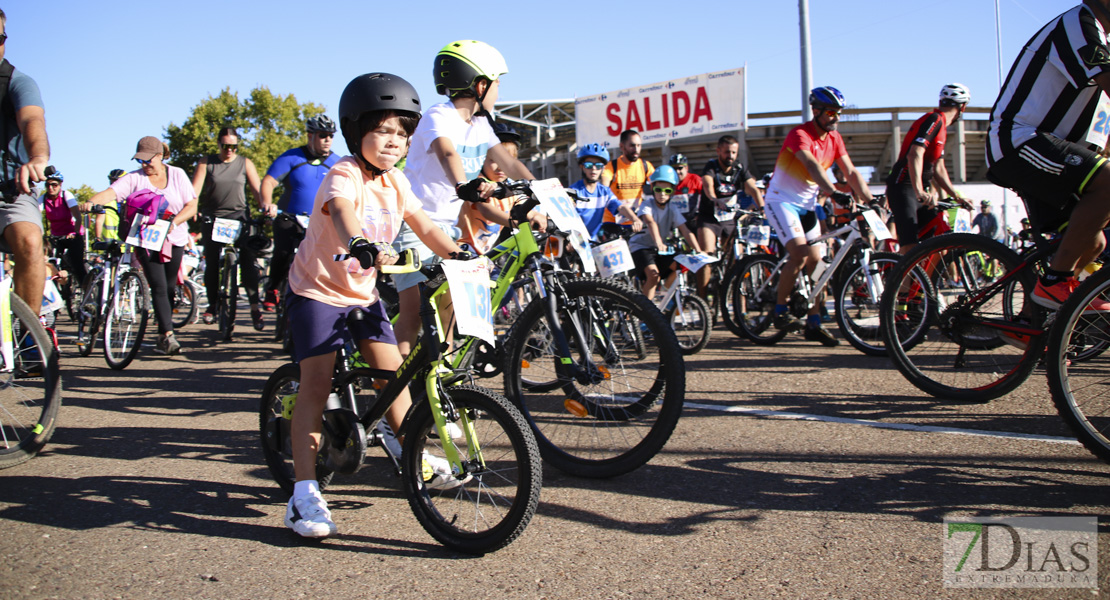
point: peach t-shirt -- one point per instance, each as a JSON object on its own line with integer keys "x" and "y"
{"x": 383, "y": 203}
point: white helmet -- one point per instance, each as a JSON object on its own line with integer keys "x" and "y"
{"x": 954, "y": 94}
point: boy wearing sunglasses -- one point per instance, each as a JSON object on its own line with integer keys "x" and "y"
{"x": 660, "y": 217}
{"x": 595, "y": 200}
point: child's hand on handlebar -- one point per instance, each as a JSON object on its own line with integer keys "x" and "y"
{"x": 637, "y": 226}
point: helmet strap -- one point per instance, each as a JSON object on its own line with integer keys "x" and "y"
{"x": 374, "y": 171}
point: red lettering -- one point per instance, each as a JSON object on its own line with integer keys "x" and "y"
{"x": 648, "y": 123}
{"x": 681, "y": 99}
{"x": 633, "y": 120}
{"x": 613, "y": 113}
{"x": 666, "y": 112}
{"x": 701, "y": 106}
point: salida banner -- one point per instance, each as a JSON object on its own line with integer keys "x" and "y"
{"x": 680, "y": 108}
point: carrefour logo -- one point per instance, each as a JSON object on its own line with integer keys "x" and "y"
{"x": 604, "y": 97}
{"x": 674, "y": 133}
{"x": 670, "y": 84}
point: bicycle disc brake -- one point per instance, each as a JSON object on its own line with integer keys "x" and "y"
{"x": 344, "y": 441}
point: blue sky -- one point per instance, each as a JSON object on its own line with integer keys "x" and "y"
{"x": 112, "y": 72}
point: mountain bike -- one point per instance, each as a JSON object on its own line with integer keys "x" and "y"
{"x": 30, "y": 378}
{"x": 753, "y": 236}
{"x": 495, "y": 459}
{"x": 117, "y": 298}
{"x": 229, "y": 232}
{"x": 856, "y": 273}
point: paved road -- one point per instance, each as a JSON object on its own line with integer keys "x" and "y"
{"x": 153, "y": 487}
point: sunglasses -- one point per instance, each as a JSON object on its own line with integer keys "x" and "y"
{"x": 3, "y": 38}
{"x": 677, "y": 167}
{"x": 663, "y": 190}
{"x": 593, "y": 165}
{"x": 830, "y": 112}
{"x": 324, "y": 136}
{"x": 229, "y": 146}
{"x": 143, "y": 162}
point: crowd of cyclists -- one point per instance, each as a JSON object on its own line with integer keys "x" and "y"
{"x": 1045, "y": 141}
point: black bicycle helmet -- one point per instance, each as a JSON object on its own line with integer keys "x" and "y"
{"x": 506, "y": 133}
{"x": 678, "y": 159}
{"x": 374, "y": 92}
{"x": 115, "y": 174}
{"x": 320, "y": 124}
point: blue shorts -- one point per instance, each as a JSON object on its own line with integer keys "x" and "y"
{"x": 318, "y": 328}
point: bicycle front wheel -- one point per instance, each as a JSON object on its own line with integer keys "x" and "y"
{"x": 1078, "y": 373}
{"x": 948, "y": 315}
{"x": 612, "y": 404}
{"x": 491, "y": 504}
{"x": 88, "y": 312}
{"x": 185, "y": 307}
{"x": 274, "y": 427}
{"x": 125, "y": 322}
{"x": 692, "y": 325}
{"x": 755, "y": 293}
{"x": 30, "y": 391}
{"x": 229, "y": 297}
{"x": 857, "y": 302}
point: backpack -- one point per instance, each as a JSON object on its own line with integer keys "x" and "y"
{"x": 643, "y": 167}
{"x": 148, "y": 203}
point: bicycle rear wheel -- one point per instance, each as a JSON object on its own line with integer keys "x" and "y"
{"x": 125, "y": 321}
{"x": 626, "y": 399}
{"x": 755, "y": 293}
{"x": 88, "y": 312}
{"x": 857, "y": 312}
{"x": 1078, "y": 373}
{"x": 493, "y": 503}
{"x": 947, "y": 325}
{"x": 693, "y": 325}
{"x": 274, "y": 428}
{"x": 185, "y": 307}
{"x": 229, "y": 297}
{"x": 30, "y": 392}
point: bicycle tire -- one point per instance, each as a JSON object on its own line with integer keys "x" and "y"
{"x": 857, "y": 315}
{"x": 492, "y": 507}
{"x": 185, "y": 307}
{"x": 694, "y": 326}
{"x": 125, "y": 321}
{"x": 1078, "y": 384}
{"x": 274, "y": 430}
{"x": 755, "y": 294}
{"x": 30, "y": 394}
{"x": 629, "y": 399}
{"x": 72, "y": 292}
{"x": 955, "y": 351}
{"x": 88, "y": 314}
{"x": 728, "y": 314}
{"x": 229, "y": 297}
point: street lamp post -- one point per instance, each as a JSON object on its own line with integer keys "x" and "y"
{"x": 807, "y": 71}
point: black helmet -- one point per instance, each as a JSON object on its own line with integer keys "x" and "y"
{"x": 374, "y": 92}
{"x": 506, "y": 133}
{"x": 320, "y": 123}
{"x": 115, "y": 174}
{"x": 678, "y": 159}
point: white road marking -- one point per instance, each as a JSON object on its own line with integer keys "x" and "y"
{"x": 881, "y": 425}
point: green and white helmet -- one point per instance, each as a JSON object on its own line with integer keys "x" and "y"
{"x": 460, "y": 63}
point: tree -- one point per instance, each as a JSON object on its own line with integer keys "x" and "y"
{"x": 268, "y": 125}
{"x": 82, "y": 193}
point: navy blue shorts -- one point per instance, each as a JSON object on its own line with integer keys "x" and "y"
{"x": 318, "y": 328}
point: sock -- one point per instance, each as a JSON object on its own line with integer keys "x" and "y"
{"x": 813, "y": 321}
{"x": 780, "y": 309}
{"x": 306, "y": 487}
{"x": 1052, "y": 277}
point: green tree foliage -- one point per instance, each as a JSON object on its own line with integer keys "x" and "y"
{"x": 82, "y": 193}
{"x": 268, "y": 124}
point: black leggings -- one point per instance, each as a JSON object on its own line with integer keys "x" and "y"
{"x": 288, "y": 234}
{"x": 162, "y": 278}
{"x": 73, "y": 257}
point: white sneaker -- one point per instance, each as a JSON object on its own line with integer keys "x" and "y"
{"x": 389, "y": 441}
{"x": 309, "y": 516}
{"x": 437, "y": 474}
{"x": 453, "y": 430}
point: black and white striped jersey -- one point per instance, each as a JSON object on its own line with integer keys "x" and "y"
{"x": 1051, "y": 87}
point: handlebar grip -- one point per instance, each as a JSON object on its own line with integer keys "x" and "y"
{"x": 408, "y": 263}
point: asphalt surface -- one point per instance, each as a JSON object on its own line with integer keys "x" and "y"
{"x": 795, "y": 472}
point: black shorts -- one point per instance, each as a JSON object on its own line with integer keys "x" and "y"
{"x": 1047, "y": 172}
{"x": 645, "y": 256}
{"x": 718, "y": 228}
{"x": 907, "y": 212}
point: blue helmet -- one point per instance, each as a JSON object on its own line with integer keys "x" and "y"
{"x": 665, "y": 173}
{"x": 53, "y": 174}
{"x": 827, "y": 96}
{"x": 593, "y": 150}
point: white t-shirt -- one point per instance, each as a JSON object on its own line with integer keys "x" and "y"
{"x": 430, "y": 183}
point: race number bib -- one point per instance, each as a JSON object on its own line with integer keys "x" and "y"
{"x": 758, "y": 235}
{"x": 724, "y": 216}
{"x": 558, "y": 207}
{"x": 470, "y": 283}
{"x": 302, "y": 220}
{"x": 581, "y": 243}
{"x": 51, "y": 299}
{"x": 694, "y": 262}
{"x": 613, "y": 258}
{"x": 1100, "y": 126}
{"x": 962, "y": 223}
{"x": 877, "y": 226}
{"x": 151, "y": 237}
{"x": 226, "y": 231}
{"x": 682, "y": 202}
